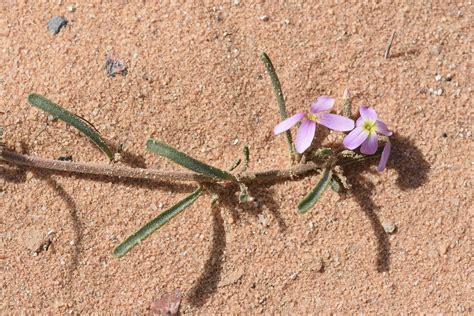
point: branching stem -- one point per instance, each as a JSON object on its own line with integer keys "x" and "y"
{"x": 111, "y": 170}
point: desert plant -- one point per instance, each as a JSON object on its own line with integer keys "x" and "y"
{"x": 304, "y": 160}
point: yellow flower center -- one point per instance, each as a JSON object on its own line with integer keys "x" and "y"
{"x": 312, "y": 117}
{"x": 370, "y": 126}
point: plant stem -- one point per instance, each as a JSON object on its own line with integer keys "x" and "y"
{"x": 355, "y": 160}
{"x": 116, "y": 171}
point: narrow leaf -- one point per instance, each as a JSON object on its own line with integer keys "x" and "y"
{"x": 279, "y": 96}
{"x": 244, "y": 194}
{"x": 335, "y": 185}
{"x": 186, "y": 161}
{"x": 246, "y": 158}
{"x": 316, "y": 193}
{"x": 81, "y": 124}
{"x": 234, "y": 164}
{"x": 156, "y": 223}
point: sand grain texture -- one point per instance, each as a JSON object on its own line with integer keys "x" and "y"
{"x": 196, "y": 82}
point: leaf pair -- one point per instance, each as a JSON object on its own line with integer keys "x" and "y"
{"x": 186, "y": 161}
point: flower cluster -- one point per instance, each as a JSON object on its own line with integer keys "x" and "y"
{"x": 364, "y": 132}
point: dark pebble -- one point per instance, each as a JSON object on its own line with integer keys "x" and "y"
{"x": 114, "y": 66}
{"x": 56, "y": 24}
{"x": 445, "y": 135}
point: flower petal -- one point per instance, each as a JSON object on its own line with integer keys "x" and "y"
{"x": 288, "y": 123}
{"x": 382, "y": 128}
{"x": 383, "y": 160}
{"x": 323, "y": 103}
{"x": 355, "y": 138}
{"x": 305, "y": 135}
{"x": 366, "y": 112}
{"x": 360, "y": 121}
{"x": 336, "y": 122}
{"x": 369, "y": 146}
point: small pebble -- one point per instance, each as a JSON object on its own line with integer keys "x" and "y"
{"x": 449, "y": 77}
{"x": 114, "y": 66}
{"x": 438, "y": 77}
{"x": 318, "y": 265}
{"x": 389, "y": 227}
{"x": 56, "y": 24}
{"x": 436, "y": 50}
{"x": 71, "y": 8}
{"x": 443, "y": 248}
{"x": 438, "y": 92}
{"x": 264, "y": 18}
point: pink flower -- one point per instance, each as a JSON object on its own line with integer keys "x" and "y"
{"x": 368, "y": 126}
{"x": 318, "y": 114}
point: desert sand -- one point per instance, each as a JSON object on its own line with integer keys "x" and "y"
{"x": 194, "y": 80}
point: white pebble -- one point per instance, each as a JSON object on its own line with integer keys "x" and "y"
{"x": 389, "y": 227}
{"x": 438, "y": 77}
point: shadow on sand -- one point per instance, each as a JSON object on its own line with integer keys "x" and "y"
{"x": 412, "y": 170}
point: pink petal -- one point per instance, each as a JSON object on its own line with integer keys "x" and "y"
{"x": 336, "y": 122}
{"x": 288, "y": 123}
{"x": 360, "y": 121}
{"x": 305, "y": 135}
{"x": 355, "y": 138}
{"x": 367, "y": 113}
{"x": 382, "y": 128}
{"x": 383, "y": 160}
{"x": 323, "y": 103}
{"x": 369, "y": 146}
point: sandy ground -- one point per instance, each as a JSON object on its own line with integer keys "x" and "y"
{"x": 195, "y": 81}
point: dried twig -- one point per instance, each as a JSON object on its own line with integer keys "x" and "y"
{"x": 389, "y": 46}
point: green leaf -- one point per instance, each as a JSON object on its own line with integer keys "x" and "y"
{"x": 235, "y": 164}
{"x": 244, "y": 194}
{"x": 246, "y": 151}
{"x": 316, "y": 193}
{"x": 156, "y": 223}
{"x": 279, "y": 96}
{"x": 335, "y": 185}
{"x": 70, "y": 118}
{"x": 186, "y": 161}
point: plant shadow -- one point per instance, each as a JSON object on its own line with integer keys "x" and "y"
{"x": 208, "y": 282}
{"x": 412, "y": 170}
{"x": 13, "y": 174}
{"x": 73, "y": 214}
